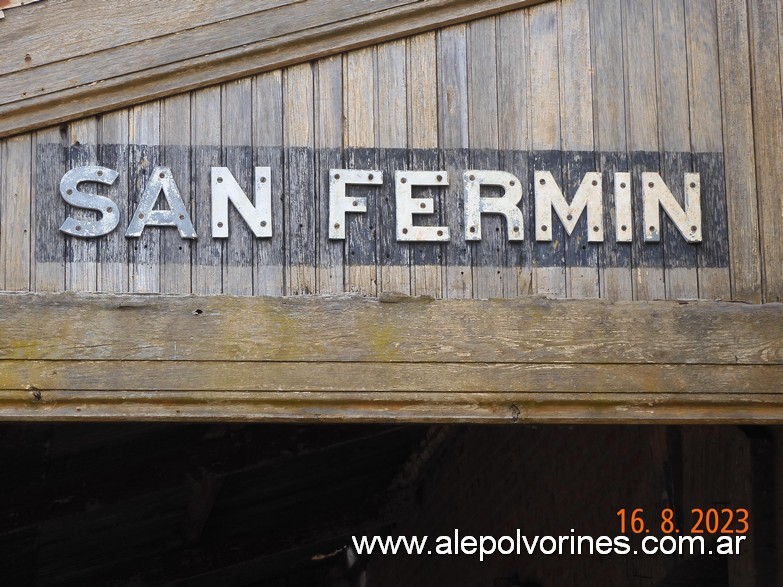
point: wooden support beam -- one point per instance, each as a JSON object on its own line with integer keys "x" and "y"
{"x": 193, "y": 46}
{"x": 136, "y": 357}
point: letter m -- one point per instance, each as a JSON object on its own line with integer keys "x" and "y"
{"x": 549, "y": 196}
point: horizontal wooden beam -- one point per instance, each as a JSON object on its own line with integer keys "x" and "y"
{"x": 137, "y": 357}
{"x": 67, "y": 76}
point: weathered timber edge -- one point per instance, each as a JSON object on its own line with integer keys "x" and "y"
{"x": 314, "y": 359}
{"x": 59, "y": 103}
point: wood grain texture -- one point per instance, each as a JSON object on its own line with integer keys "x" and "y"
{"x": 642, "y": 116}
{"x": 269, "y": 276}
{"x": 15, "y": 206}
{"x": 610, "y": 135}
{"x": 553, "y": 87}
{"x": 738, "y": 147}
{"x": 246, "y": 358}
{"x": 768, "y": 134}
{"x": 422, "y": 79}
{"x": 680, "y": 273}
{"x": 549, "y": 273}
{"x": 109, "y": 71}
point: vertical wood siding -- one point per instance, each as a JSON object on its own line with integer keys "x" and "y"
{"x": 568, "y": 86}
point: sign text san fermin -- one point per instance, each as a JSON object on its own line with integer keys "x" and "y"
{"x": 548, "y": 196}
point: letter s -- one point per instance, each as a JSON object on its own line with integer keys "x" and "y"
{"x": 107, "y": 209}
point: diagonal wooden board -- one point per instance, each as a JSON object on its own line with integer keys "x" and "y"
{"x": 141, "y": 57}
{"x": 142, "y": 357}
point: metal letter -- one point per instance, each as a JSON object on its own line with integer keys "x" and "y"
{"x": 506, "y": 205}
{"x": 224, "y": 188}
{"x": 161, "y": 180}
{"x": 657, "y": 194}
{"x": 407, "y": 206}
{"x": 109, "y": 211}
{"x": 339, "y": 205}
{"x": 622, "y": 207}
{"x": 589, "y": 195}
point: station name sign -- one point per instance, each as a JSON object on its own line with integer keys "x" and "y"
{"x": 547, "y": 195}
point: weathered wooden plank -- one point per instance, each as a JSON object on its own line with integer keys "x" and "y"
{"x": 237, "y": 115}
{"x": 137, "y": 25}
{"x": 489, "y": 254}
{"x": 15, "y": 208}
{"x": 610, "y": 137}
{"x": 395, "y": 407}
{"x": 175, "y": 269}
{"x": 707, "y": 138}
{"x": 739, "y": 151}
{"x": 392, "y": 129}
{"x": 81, "y": 268}
{"x": 298, "y": 127}
{"x": 483, "y": 379}
{"x": 549, "y": 274}
{"x": 768, "y": 133}
{"x": 207, "y": 254}
{"x": 680, "y": 274}
{"x": 269, "y": 275}
{"x": 514, "y": 135}
{"x": 359, "y": 93}
{"x": 293, "y": 34}
{"x": 48, "y": 210}
{"x": 576, "y": 113}
{"x": 453, "y": 139}
{"x": 329, "y": 134}
{"x": 422, "y": 79}
{"x": 363, "y": 329}
{"x": 113, "y": 248}
{"x": 144, "y": 252}
{"x": 642, "y": 113}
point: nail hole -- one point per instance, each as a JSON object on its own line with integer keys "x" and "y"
{"x": 198, "y": 312}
